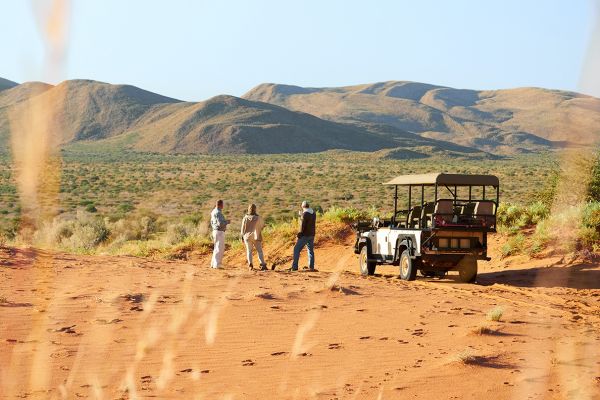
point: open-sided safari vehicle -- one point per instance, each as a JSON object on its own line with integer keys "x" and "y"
{"x": 447, "y": 232}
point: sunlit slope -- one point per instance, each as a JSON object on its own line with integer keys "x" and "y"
{"x": 511, "y": 120}
{"x": 96, "y": 113}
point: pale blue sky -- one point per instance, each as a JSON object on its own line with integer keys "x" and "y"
{"x": 193, "y": 50}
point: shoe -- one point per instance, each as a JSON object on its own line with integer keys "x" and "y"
{"x": 250, "y": 267}
{"x": 263, "y": 267}
{"x": 291, "y": 269}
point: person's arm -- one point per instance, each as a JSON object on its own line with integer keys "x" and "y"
{"x": 243, "y": 227}
{"x": 222, "y": 220}
{"x": 302, "y": 225}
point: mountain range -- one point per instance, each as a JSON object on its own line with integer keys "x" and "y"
{"x": 395, "y": 119}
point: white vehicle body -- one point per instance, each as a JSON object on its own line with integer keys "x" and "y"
{"x": 433, "y": 237}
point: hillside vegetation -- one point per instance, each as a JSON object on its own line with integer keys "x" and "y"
{"x": 500, "y": 121}
{"x": 143, "y": 204}
{"x": 407, "y": 119}
{"x": 126, "y": 117}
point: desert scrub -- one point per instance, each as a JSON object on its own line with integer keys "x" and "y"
{"x": 465, "y": 357}
{"x": 589, "y": 232}
{"x": 348, "y": 215}
{"x": 495, "y": 314}
{"x": 540, "y": 238}
{"x": 512, "y": 217}
{"x": 82, "y": 234}
{"x": 514, "y": 245}
{"x": 483, "y": 330}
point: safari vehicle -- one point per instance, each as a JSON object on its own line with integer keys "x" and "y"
{"x": 433, "y": 236}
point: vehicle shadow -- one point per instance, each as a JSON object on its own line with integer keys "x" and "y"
{"x": 576, "y": 276}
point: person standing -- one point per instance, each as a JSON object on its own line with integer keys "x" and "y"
{"x": 306, "y": 237}
{"x": 252, "y": 226}
{"x": 218, "y": 224}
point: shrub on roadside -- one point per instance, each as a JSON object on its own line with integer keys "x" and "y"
{"x": 345, "y": 215}
{"x": 589, "y": 232}
{"x": 540, "y": 238}
{"x": 514, "y": 245}
{"x": 512, "y": 217}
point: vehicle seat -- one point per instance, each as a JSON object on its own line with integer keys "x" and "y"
{"x": 426, "y": 213}
{"x": 444, "y": 210}
{"x": 413, "y": 217}
{"x": 468, "y": 209}
{"x": 484, "y": 212}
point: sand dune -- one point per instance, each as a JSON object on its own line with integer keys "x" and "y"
{"x": 121, "y": 327}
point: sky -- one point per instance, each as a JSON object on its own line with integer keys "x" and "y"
{"x": 193, "y": 50}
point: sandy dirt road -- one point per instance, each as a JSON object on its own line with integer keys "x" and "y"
{"x": 124, "y": 328}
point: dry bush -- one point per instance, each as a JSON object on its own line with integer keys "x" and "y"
{"x": 483, "y": 330}
{"x": 495, "y": 314}
{"x": 82, "y": 234}
{"x": 465, "y": 357}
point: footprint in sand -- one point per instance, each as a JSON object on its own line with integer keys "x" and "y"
{"x": 334, "y": 346}
{"x": 247, "y": 363}
{"x": 365, "y": 337}
{"x": 279, "y": 353}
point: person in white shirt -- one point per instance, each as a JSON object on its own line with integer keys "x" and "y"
{"x": 218, "y": 224}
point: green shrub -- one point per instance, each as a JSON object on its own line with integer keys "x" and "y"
{"x": 513, "y": 245}
{"x": 124, "y": 208}
{"x": 512, "y": 217}
{"x": 594, "y": 185}
{"x": 540, "y": 238}
{"x": 590, "y": 216}
{"x": 508, "y": 214}
{"x": 345, "y": 215}
{"x": 589, "y": 238}
{"x": 536, "y": 213}
{"x": 548, "y": 193}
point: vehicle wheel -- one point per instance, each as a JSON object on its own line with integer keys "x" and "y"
{"x": 408, "y": 270}
{"x": 366, "y": 267}
{"x": 467, "y": 269}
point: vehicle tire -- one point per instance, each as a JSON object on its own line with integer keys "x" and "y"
{"x": 467, "y": 269}
{"x": 366, "y": 267}
{"x": 408, "y": 269}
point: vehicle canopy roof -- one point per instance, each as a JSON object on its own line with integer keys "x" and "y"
{"x": 438, "y": 178}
